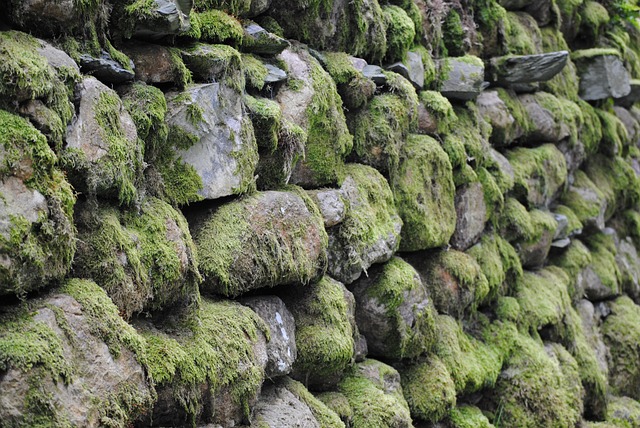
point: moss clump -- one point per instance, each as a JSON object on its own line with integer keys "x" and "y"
{"x": 578, "y": 55}
{"x": 353, "y": 87}
{"x": 614, "y": 133}
{"x": 573, "y": 260}
{"x": 508, "y": 309}
{"x": 539, "y": 173}
{"x": 37, "y": 241}
{"x": 574, "y": 225}
{"x": 566, "y": 114}
{"x": 374, "y": 403}
{"x": 254, "y": 242}
{"x": 218, "y": 63}
{"x": 624, "y": 412}
{"x": 400, "y": 32}
{"x": 429, "y": 390}
{"x": 424, "y": 193}
{"x": 325, "y": 416}
{"x": 215, "y": 350}
{"x": 266, "y": 117}
{"x": 148, "y": 107}
{"x": 520, "y": 115}
{"x": 275, "y": 168}
{"x": 372, "y": 219}
{"x": 615, "y": 179}
{"x": 255, "y": 71}
{"x": 499, "y": 263}
{"x": 467, "y": 416}
{"x": 441, "y": 110}
{"x": 339, "y": 404}
{"x": 215, "y": 26}
{"x": 472, "y": 364}
{"x": 594, "y": 17}
{"x": 621, "y": 335}
{"x": 566, "y": 83}
{"x": 543, "y": 298}
{"x": 232, "y": 7}
{"x": 339, "y": 67}
{"x": 144, "y": 260}
{"x": 526, "y": 227}
{"x": 324, "y": 333}
{"x": 392, "y": 285}
{"x": 453, "y": 34}
{"x": 603, "y": 261}
{"x": 521, "y": 34}
{"x": 586, "y": 200}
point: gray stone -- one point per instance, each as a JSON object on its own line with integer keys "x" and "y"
{"x": 562, "y": 231}
{"x": 546, "y": 127}
{"x": 93, "y": 380}
{"x": 515, "y": 4}
{"x": 281, "y": 348}
{"x": 214, "y": 63}
{"x": 411, "y": 69}
{"x": 594, "y": 289}
{"x": 278, "y": 406}
{"x": 275, "y": 74}
{"x": 591, "y": 320}
{"x": 502, "y": 163}
{"x": 631, "y": 124}
{"x": 358, "y": 63}
{"x": 374, "y": 73}
{"x": 561, "y": 243}
{"x": 634, "y": 95}
{"x": 259, "y": 41}
{"x": 56, "y": 58}
{"x": 471, "y": 216}
{"x": 45, "y": 17}
{"x": 225, "y": 154}
{"x": 106, "y": 69}
{"x": 332, "y": 205}
{"x": 463, "y": 77}
{"x": 602, "y": 76}
{"x": 505, "y": 129}
{"x": 393, "y": 311}
{"x": 19, "y": 201}
{"x": 518, "y": 69}
{"x": 629, "y": 264}
{"x": 165, "y": 18}
{"x": 534, "y": 254}
{"x": 258, "y": 7}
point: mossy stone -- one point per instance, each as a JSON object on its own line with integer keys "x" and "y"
{"x": 424, "y": 193}
{"x": 400, "y": 32}
{"x": 543, "y": 298}
{"x": 624, "y": 412}
{"x": 467, "y": 416}
{"x": 429, "y": 389}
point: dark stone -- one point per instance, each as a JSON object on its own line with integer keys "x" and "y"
{"x": 509, "y": 70}
{"x": 260, "y": 41}
{"x": 106, "y": 69}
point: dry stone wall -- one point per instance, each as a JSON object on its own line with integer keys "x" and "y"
{"x": 366, "y": 213}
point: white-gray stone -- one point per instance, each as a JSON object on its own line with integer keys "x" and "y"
{"x": 260, "y": 41}
{"x": 464, "y": 78}
{"x": 411, "y": 69}
{"x": 602, "y": 76}
{"x": 374, "y": 73}
{"x": 471, "y": 212}
{"x": 332, "y": 205}
{"x": 168, "y": 18}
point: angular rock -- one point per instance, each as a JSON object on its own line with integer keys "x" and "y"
{"x": 375, "y": 73}
{"x": 518, "y": 69}
{"x": 258, "y": 7}
{"x": 505, "y": 128}
{"x": 163, "y": 18}
{"x": 324, "y": 316}
{"x": 562, "y": 231}
{"x": 374, "y": 393}
{"x": 423, "y": 189}
{"x": 106, "y": 69}
{"x": 37, "y": 236}
{"x": 313, "y": 104}
{"x": 602, "y": 74}
{"x": 259, "y": 41}
{"x": 155, "y": 64}
{"x": 370, "y": 233}
{"x": 275, "y": 74}
{"x": 281, "y": 348}
{"x": 533, "y": 254}
{"x": 602, "y": 278}
{"x": 215, "y": 63}
{"x": 631, "y": 124}
{"x": 212, "y": 134}
{"x": 591, "y": 322}
{"x": 87, "y": 375}
{"x": 463, "y": 77}
{"x": 103, "y": 154}
{"x": 332, "y": 204}
{"x": 393, "y": 311}
{"x": 541, "y": 10}
{"x": 144, "y": 259}
{"x": 58, "y": 59}
{"x": 471, "y": 216}
{"x": 411, "y": 69}
{"x": 263, "y": 240}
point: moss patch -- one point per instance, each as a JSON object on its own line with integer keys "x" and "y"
{"x": 400, "y": 32}
{"x": 215, "y": 26}
{"x": 325, "y": 415}
{"x": 543, "y": 298}
{"x": 429, "y": 390}
{"x": 441, "y": 110}
{"x": 575, "y": 258}
{"x": 467, "y": 416}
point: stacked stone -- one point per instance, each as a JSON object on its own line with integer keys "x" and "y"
{"x": 276, "y": 213}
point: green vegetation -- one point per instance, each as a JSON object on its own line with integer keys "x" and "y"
{"x": 429, "y": 389}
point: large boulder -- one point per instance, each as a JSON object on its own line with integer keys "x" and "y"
{"x": 212, "y": 134}
{"x": 103, "y": 155}
{"x": 394, "y": 312}
{"x": 423, "y": 190}
{"x": 264, "y": 240}
{"x": 71, "y": 354}
{"x": 370, "y": 232}
{"x": 37, "y": 235}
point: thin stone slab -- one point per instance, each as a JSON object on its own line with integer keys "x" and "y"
{"x": 106, "y": 69}
{"x": 519, "y": 69}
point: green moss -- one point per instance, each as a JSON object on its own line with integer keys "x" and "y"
{"x": 467, "y": 416}
{"x": 233, "y": 7}
{"x": 508, "y": 309}
{"x": 624, "y": 412}
{"x": 515, "y": 222}
{"x": 41, "y": 249}
{"x": 429, "y": 390}
{"x": 339, "y": 66}
{"x": 255, "y": 72}
{"x": 521, "y": 34}
{"x": 241, "y": 238}
{"x": 578, "y": 55}
{"x": 274, "y": 169}
{"x": 614, "y": 133}
{"x": 216, "y": 26}
{"x": 615, "y": 179}
{"x": 219, "y": 63}
{"x": 339, "y": 404}
{"x": 191, "y": 358}
{"x": 396, "y": 280}
{"x": 147, "y": 106}
{"x": 519, "y": 113}
{"x": 539, "y": 173}
{"x": 324, "y": 335}
{"x": 573, "y": 260}
{"x": 574, "y": 225}
{"x": 594, "y": 17}
{"x": 566, "y": 114}
{"x": 566, "y": 83}
{"x": 622, "y": 335}
{"x": 499, "y": 263}
{"x": 430, "y": 68}
{"x": 453, "y": 34}
{"x": 603, "y": 261}
{"x": 138, "y": 259}
{"x": 373, "y": 403}
{"x": 543, "y": 298}
{"x": 424, "y": 194}
{"x": 266, "y": 117}
{"x": 325, "y": 416}
{"x": 441, "y": 110}
{"x": 493, "y": 194}
{"x": 400, "y": 32}
{"x": 584, "y": 199}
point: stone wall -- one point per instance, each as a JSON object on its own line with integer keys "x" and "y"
{"x": 363, "y": 213}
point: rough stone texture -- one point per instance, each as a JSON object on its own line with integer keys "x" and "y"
{"x": 374, "y": 73}
{"x": 90, "y": 378}
{"x": 214, "y": 63}
{"x": 412, "y": 69}
{"x": 154, "y": 64}
{"x": 258, "y": 7}
{"x": 224, "y": 153}
{"x": 46, "y": 17}
{"x": 591, "y": 321}
{"x": 471, "y": 216}
{"x": 260, "y": 41}
{"x": 393, "y": 311}
{"x": 602, "y": 76}
{"x": 106, "y": 69}
{"x": 370, "y": 232}
{"x": 526, "y": 68}
{"x": 629, "y": 263}
{"x": 463, "y": 78}
{"x": 279, "y": 407}
{"x": 533, "y": 254}
{"x": 281, "y": 348}
{"x": 164, "y": 18}
{"x": 546, "y": 127}
{"x": 264, "y": 240}
{"x": 332, "y": 204}
{"x": 493, "y": 109}
{"x": 630, "y": 123}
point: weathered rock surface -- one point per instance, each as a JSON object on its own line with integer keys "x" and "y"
{"x": 471, "y": 216}
{"x": 106, "y": 69}
{"x": 412, "y": 69}
{"x": 601, "y": 76}
{"x": 463, "y": 78}
{"x": 264, "y": 240}
{"x": 516, "y": 69}
{"x": 505, "y": 129}
{"x": 213, "y": 135}
{"x": 260, "y": 41}
{"x": 163, "y": 18}
{"x": 332, "y": 205}
{"x": 156, "y": 64}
